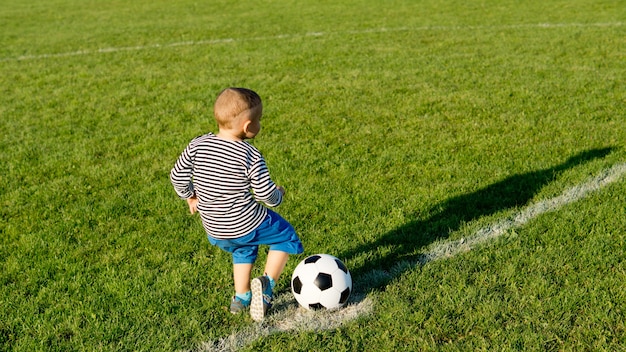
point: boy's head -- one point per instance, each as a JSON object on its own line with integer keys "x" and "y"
{"x": 234, "y": 106}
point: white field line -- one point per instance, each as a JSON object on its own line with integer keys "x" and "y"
{"x": 286, "y": 315}
{"x": 305, "y": 35}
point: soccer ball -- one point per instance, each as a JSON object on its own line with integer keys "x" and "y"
{"x": 321, "y": 281}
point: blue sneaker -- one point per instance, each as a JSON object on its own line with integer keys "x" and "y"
{"x": 261, "y": 298}
{"x": 238, "y": 305}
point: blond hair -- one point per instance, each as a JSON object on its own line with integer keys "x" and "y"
{"x": 231, "y": 102}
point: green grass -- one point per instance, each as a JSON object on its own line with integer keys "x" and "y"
{"x": 392, "y": 125}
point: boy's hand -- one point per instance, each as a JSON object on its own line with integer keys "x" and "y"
{"x": 193, "y": 204}
{"x": 281, "y": 189}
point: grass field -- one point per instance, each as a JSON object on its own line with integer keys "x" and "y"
{"x": 395, "y": 127}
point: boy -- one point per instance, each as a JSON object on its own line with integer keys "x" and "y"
{"x": 225, "y": 178}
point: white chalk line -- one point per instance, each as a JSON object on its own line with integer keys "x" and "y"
{"x": 305, "y": 35}
{"x": 287, "y": 316}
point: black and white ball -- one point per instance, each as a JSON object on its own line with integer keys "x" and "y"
{"x": 321, "y": 281}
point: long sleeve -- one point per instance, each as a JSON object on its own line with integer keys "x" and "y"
{"x": 264, "y": 188}
{"x": 230, "y": 180}
{"x": 181, "y": 174}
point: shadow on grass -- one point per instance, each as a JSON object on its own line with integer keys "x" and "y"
{"x": 403, "y": 242}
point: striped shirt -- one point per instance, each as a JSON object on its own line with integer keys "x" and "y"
{"x": 229, "y": 178}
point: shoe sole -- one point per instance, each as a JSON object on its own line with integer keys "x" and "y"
{"x": 257, "y": 311}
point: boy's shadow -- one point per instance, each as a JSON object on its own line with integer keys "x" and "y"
{"x": 403, "y": 243}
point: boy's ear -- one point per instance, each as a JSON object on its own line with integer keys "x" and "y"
{"x": 246, "y": 126}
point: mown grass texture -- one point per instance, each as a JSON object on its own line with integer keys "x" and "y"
{"x": 391, "y": 125}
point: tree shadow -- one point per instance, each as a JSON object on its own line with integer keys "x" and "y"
{"x": 403, "y": 243}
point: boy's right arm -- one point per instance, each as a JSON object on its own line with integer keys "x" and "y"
{"x": 181, "y": 174}
{"x": 193, "y": 204}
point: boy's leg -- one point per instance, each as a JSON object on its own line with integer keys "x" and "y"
{"x": 243, "y": 295}
{"x": 262, "y": 286}
{"x": 241, "y": 276}
{"x": 244, "y": 254}
{"x": 275, "y": 264}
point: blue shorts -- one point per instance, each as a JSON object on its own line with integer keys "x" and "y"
{"x": 274, "y": 231}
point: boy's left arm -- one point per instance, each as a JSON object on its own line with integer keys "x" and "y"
{"x": 265, "y": 190}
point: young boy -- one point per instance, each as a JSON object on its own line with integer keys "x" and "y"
{"x": 225, "y": 179}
